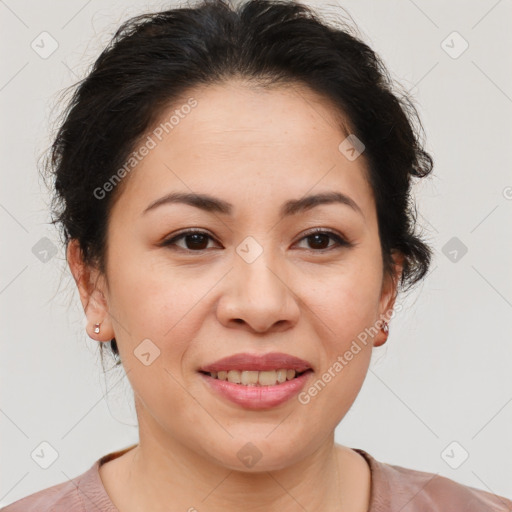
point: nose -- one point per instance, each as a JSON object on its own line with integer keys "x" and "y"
{"x": 258, "y": 297}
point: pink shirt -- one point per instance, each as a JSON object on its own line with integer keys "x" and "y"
{"x": 393, "y": 488}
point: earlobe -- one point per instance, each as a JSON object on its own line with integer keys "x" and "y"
{"x": 92, "y": 299}
{"x": 99, "y": 330}
{"x": 381, "y": 338}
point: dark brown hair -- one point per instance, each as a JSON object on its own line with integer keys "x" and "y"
{"x": 153, "y": 59}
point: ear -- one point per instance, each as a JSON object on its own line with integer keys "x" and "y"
{"x": 91, "y": 288}
{"x": 388, "y": 295}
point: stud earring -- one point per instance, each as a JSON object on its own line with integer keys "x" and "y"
{"x": 385, "y": 328}
{"x": 96, "y": 328}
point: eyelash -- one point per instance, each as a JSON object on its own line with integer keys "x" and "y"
{"x": 340, "y": 241}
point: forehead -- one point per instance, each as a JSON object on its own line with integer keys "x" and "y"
{"x": 269, "y": 143}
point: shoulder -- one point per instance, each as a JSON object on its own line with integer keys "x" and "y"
{"x": 80, "y": 494}
{"x": 398, "y": 488}
{"x": 63, "y": 496}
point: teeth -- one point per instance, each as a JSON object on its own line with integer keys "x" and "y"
{"x": 268, "y": 378}
{"x": 254, "y": 378}
{"x": 249, "y": 377}
{"x": 234, "y": 376}
{"x": 281, "y": 376}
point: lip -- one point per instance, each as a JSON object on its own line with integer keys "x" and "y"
{"x": 258, "y": 362}
{"x": 256, "y": 397}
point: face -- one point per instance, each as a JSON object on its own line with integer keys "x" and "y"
{"x": 251, "y": 277}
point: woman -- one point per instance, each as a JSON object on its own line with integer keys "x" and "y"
{"x": 234, "y": 190}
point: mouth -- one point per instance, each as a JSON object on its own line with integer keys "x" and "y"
{"x": 256, "y": 378}
{"x": 256, "y": 381}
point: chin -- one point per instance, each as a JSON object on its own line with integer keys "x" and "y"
{"x": 259, "y": 454}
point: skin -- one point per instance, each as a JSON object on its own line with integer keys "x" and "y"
{"x": 256, "y": 149}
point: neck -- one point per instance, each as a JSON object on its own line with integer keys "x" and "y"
{"x": 159, "y": 476}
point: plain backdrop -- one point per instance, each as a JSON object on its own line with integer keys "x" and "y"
{"x": 438, "y": 392}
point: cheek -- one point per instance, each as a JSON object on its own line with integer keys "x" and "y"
{"x": 345, "y": 301}
{"x": 152, "y": 300}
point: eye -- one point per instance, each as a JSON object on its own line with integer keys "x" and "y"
{"x": 319, "y": 237}
{"x": 195, "y": 241}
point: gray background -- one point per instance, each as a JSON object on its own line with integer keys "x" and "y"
{"x": 444, "y": 374}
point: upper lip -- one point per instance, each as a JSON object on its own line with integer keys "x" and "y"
{"x": 257, "y": 362}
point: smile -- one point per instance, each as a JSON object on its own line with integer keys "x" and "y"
{"x": 256, "y": 378}
{"x": 256, "y": 381}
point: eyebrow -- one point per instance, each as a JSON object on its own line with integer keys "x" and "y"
{"x": 292, "y": 207}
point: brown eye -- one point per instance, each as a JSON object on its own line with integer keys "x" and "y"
{"x": 318, "y": 240}
{"x": 194, "y": 241}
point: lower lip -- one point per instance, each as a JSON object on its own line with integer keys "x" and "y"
{"x": 257, "y": 397}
